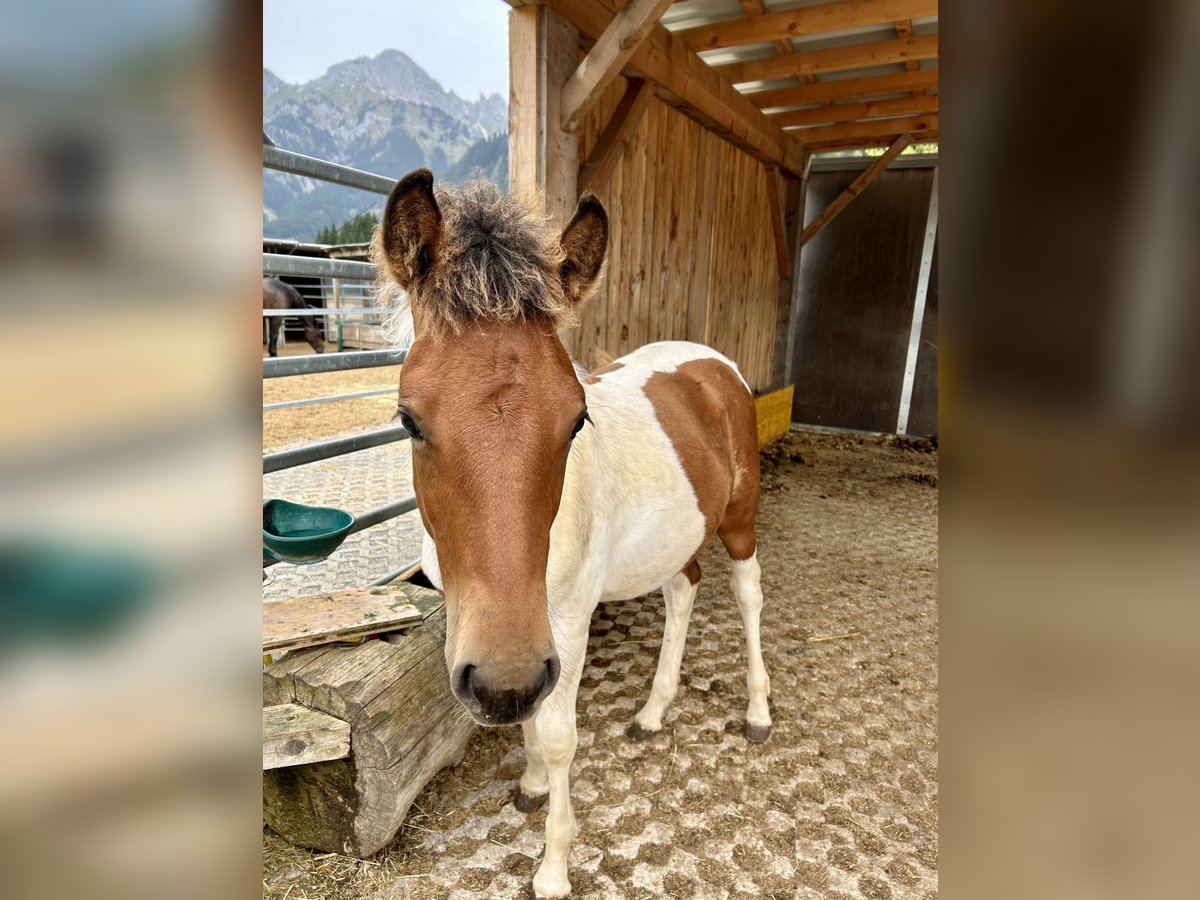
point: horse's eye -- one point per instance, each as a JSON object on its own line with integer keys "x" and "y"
{"x": 579, "y": 425}
{"x": 410, "y": 426}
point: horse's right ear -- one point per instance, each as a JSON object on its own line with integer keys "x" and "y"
{"x": 411, "y": 228}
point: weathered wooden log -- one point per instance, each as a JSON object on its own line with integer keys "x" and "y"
{"x": 405, "y": 726}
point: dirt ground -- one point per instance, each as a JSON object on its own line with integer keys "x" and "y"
{"x": 841, "y": 801}
{"x": 304, "y": 424}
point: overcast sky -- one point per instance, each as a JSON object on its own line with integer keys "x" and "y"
{"x": 461, "y": 43}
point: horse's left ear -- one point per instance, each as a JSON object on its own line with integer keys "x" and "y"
{"x": 585, "y": 241}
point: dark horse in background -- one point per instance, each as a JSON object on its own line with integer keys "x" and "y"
{"x": 277, "y": 295}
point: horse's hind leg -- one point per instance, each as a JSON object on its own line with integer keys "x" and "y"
{"x": 679, "y": 593}
{"x": 737, "y": 534}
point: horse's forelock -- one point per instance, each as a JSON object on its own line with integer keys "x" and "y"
{"x": 499, "y": 259}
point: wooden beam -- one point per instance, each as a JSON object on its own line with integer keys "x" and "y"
{"x": 832, "y": 59}
{"x": 870, "y": 128}
{"x": 773, "y": 26}
{"x": 775, "y": 200}
{"x": 857, "y": 186}
{"x": 544, "y": 50}
{"x": 919, "y": 105}
{"x": 612, "y": 141}
{"x": 846, "y": 88}
{"x": 624, "y": 34}
{"x": 686, "y": 82}
{"x": 918, "y": 137}
{"x": 758, "y": 8}
{"x": 524, "y": 137}
{"x": 904, "y": 29}
{"x": 294, "y": 735}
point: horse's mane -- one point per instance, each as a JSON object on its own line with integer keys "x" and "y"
{"x": 498, "y": 259}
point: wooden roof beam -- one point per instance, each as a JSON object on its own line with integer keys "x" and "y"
{"x": 869, "y": 129}
{"x": 624, "y": 34}
{"x": 827, "y": 17}
{"x": 856, "y": 187}
{"x": 612, "y": 141}
{"x": 918, "y": 137}
{"x": 832, "y": 59}
{"x": 683, "y": 80}
{"x": 832, "y": 113}
{"x": 758, "y": 8}
{"x": 846, "y": 88}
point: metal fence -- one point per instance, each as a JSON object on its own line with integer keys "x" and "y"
{"x": 357, "y": 275}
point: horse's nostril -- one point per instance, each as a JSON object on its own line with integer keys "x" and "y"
{"x": 462, "y": 686}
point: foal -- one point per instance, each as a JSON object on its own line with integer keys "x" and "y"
{"x": 545, "y": 491}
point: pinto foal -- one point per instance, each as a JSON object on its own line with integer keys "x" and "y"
{"x": 545, "y": 491}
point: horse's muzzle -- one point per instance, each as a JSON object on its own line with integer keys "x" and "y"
{"x": 494, "y": 701}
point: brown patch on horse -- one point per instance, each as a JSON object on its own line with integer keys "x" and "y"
{"x": 712, "y": 423}
{"x": 594, "y": 376}
{"x": 692, "y": 572}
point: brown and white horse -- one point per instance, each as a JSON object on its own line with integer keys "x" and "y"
{"x": 281, "y": 295}
{"x": 545, "y": 491}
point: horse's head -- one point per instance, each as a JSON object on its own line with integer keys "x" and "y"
{"x": 312, "y": 333}
{"x": 493, "y": 403}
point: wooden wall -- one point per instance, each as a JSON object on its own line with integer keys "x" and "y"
{"x": 692, "y": 253}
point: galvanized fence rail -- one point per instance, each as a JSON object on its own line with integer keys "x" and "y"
{"x": 282, "y": 264}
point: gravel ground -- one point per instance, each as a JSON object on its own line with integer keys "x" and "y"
{"x": 840, "y": 802}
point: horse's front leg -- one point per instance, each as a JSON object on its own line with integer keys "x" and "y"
{"x": 556, "y": 739}
{"x": 535, "y": 783}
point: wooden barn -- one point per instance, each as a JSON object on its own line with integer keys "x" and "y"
{"x": 706, "y": 128}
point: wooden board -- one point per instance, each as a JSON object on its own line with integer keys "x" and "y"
{"x": 325, "y": 618}
{"x": 774, "y": 414}
{"x": 294, "y": 735}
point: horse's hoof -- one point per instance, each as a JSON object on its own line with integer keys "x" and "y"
{"x": 756, "y": 734}
{"x": 527, "y": 803}
{"x": 636, "y": 732}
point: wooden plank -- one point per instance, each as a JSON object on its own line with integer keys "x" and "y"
{"x": 688, "y": 83}
{"x": 856, "y": 187}
{"x": 758, "y": 8}
{"x": 778, "y": 230}
{"x": 294, "y": 735}
{"x": 542, "y": 157}
{"x": 809, "y": 20}
{"x": 846, "y": 88}
{"x": 832, "y": 59}
{"x": 624, "y": 34}
{"x": 832, "y": 113}
{"x": 560, "y": 162}
{"x": 872, "y": 128}
{"x": 774, "y": 414}
{"x": 524, "y": 139}
{"x": 339, "y": 615}
{"x": 612, "y": 141}
{"x": 904, "y": 29}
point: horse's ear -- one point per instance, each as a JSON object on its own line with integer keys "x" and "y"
{"x": 584, "y": 241}
{"x": 411, "y": 228}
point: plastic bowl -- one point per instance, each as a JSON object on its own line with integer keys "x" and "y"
{"x": 303, "y": 534}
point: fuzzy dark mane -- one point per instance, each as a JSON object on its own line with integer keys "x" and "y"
{"x": 497, "y": 259}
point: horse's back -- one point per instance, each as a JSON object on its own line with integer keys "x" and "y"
{"x": 706, "y": 409}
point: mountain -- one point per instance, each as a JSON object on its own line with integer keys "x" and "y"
{"x": 383, "y": 114}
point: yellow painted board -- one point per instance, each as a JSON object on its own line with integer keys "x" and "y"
{"x": 774, "y": 414}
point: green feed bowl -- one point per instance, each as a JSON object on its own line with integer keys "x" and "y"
{"x": 303, "y": 534}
